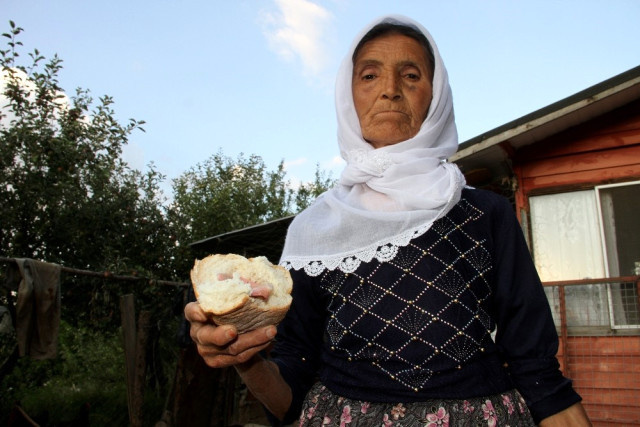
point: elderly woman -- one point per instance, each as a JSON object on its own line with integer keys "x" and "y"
{"x": 401, "y": 274}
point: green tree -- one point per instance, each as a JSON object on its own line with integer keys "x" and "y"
{"x": 221, "y": 195}
{"x": 309, "y": 191}
{"x": 67, "y": 195}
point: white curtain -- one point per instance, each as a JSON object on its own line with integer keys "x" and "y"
{"x": 567, "y": 246}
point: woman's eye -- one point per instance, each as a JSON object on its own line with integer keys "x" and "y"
{"x": 368, "y": 77}
{"x": 412, "y": 76}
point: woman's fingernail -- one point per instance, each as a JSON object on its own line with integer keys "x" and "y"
{"x": 231, "y": 334}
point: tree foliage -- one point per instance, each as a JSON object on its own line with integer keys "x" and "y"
{"x": 67, "y": 195}
{"x": 222, "y": 194}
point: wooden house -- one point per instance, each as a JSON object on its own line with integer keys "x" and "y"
{"x": 572, "y": 170}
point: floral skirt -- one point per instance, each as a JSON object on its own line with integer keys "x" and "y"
{"x": 323, "y": 408}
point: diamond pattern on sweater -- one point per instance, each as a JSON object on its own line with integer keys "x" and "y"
{"x": 423, "y": 310}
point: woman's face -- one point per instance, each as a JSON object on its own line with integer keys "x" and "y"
{"x": 391, "y": 88}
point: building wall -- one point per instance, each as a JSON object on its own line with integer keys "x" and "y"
{"x": 602, "y": 151}
{"x": 603, "y": 365}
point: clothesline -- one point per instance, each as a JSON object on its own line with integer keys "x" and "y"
{"x": 111, "y": 276}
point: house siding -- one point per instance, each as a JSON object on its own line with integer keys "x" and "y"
{"x": 605, "y": 150}
{"x": 605, "y": 368}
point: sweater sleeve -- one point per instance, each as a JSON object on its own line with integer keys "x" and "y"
{"x": 299, "y": 341}
{"x": 526, "y": 333}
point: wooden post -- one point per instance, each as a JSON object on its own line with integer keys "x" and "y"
{"x": 135, "y": 352}
{"x": 638, "y": 290}
{"x": 144, "y": 324}
{"x": 128, "y": 319}
{"x": 564, "y": 331}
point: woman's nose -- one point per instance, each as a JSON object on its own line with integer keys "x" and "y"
{"x": 392, "y": 88}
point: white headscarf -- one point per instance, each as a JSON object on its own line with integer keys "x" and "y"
{"x": 385, "y": 196}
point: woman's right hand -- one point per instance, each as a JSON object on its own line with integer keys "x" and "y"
{"x": 222, "y": 346}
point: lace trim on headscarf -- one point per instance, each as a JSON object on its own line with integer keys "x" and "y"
{"x": 383, "y": 252}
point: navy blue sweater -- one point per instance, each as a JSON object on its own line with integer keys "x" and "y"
{"x": 419, "y": 326}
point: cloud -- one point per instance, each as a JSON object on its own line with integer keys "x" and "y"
{"x": 336, "y": 163}
{"x": 299, "y": 29}
{"x": 330, "y": 168}
{"x": 294, "y": 180}
{"x": 297, "y": 162}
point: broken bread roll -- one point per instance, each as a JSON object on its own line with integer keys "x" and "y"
{"x": 246, "y": 293}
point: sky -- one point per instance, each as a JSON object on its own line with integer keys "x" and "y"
{"x": 257, "y": 76}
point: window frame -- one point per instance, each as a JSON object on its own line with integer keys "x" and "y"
{"x": 605, "y": 252}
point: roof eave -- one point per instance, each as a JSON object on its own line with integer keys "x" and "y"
{"x": 571, "y": 111}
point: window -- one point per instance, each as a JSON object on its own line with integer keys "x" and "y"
{"x": 620, "y": 227}
{"x": 587, "y": 235}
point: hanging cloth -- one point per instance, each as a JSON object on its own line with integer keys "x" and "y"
{"x": 38, "y": 308}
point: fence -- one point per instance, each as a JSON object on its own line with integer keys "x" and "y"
{"x": 82, "y": 290}
{"x": 598, "y": 323}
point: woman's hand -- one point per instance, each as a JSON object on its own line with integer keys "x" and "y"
{"x": 573, "y": 416}
{"x": 222, "y": 346}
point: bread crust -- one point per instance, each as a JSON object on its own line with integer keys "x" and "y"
{"x": 228, "y": 301}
